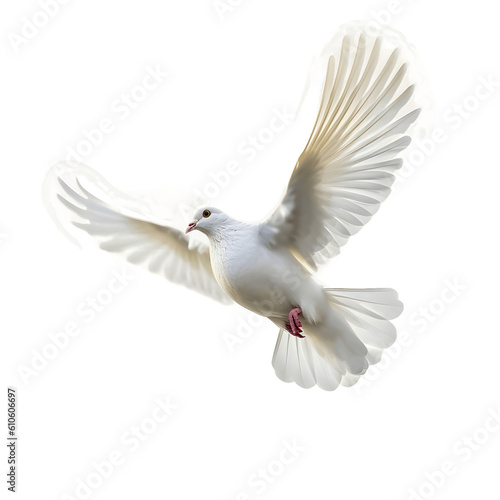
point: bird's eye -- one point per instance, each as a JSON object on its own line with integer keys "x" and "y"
{"x": 206, "y": 213}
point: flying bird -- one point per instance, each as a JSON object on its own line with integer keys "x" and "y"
{"x": 327, "y": 336}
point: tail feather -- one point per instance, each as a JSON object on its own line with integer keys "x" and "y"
{"x": 368, "y": 312}
{"x": 296, "y": 360}
{"x": 359, "y": 331}
{"x": 378, "y": 303}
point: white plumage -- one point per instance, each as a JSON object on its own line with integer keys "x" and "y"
{"x": 338, "y": 183}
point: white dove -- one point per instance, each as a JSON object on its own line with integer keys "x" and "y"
{"x": 327, "y": 336}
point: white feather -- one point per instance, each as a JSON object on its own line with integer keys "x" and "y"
{"x": 159, "y": 248}
{"x": 346, "y": 169}
{"x": 344, "y": 173}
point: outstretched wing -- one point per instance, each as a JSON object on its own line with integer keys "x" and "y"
{"x": 346, "y": 168}
{"x": 161, "y": 249}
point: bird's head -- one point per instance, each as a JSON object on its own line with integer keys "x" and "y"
{"x": 207, "y": 220}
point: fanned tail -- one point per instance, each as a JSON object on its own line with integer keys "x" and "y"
{"x": 338, "y": 351}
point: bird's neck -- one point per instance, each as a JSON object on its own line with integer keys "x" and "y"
{"x": 227, "y": 245}
{"x": 228, "y": 234}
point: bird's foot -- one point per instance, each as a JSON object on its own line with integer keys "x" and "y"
{"x": 294, "y": 324}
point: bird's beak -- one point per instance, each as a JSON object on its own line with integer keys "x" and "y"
{"x": 191, "y": 227}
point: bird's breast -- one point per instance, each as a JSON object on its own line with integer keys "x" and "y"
{"x": 254, "y": 277}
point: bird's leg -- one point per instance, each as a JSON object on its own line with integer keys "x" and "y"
{"x": 294, "y": 324}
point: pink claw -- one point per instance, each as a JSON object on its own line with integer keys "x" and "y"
{"x": 293, "y": 327}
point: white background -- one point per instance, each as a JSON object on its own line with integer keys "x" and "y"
{"x": 434, "y": 240}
